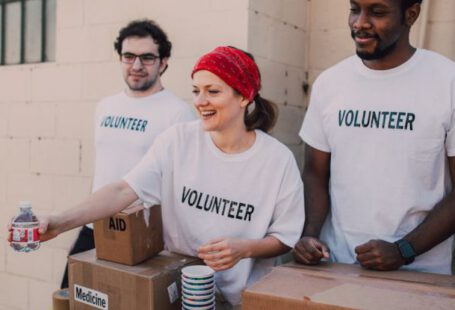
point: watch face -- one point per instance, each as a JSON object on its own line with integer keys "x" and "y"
{"x": 406, "y": 250}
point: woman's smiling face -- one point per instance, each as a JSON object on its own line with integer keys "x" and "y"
{"x": 219, "y": 106}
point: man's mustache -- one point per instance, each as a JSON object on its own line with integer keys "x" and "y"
{"x": 363, "y": 34}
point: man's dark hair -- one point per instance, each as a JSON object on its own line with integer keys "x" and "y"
{"x": 145, "y": 28}
{"x": 405, "y": 4}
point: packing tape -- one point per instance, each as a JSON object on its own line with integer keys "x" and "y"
{"x": 60, "y": 300}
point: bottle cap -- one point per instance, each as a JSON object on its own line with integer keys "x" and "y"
{"x": 25, "y": 205}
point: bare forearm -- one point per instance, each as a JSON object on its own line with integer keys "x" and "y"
{"x": 316, "y": 205}
{"x": 316, "y": 176}
{"x": 265, "y": 248}
{"x": 103, "y": 203}
{"x": 437, "y": 226}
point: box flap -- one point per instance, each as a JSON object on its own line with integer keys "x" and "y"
{"x": 348, "y": 295}
{"x": 354, "y": 270}
{"x": 149, "y": 269}
{"x": 331, "y": 286}
{"x": 286, "y": 289}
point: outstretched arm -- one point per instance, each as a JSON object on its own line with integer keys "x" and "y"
{"x": 316, "y": 174}
{"x": 105, "y": 202}
{"x": 437, "y": 227}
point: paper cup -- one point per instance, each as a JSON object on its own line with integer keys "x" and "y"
{"x": 198, "y": 272}
{"x": 200, "y": 302}
{"x": 198, "y": 287}
{"x": 197, "y": 281}
{"x": 198, "y": 292}
{"x": 197, "y": 297}
{"x": 189, "y": 307}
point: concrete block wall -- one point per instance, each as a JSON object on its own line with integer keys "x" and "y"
{"x": 329, "y": 38}
{"x": 277, "y": 37}
{"x": 440, "y": 32}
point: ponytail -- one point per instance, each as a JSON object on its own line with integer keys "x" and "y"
{"x": 263, "y": 116}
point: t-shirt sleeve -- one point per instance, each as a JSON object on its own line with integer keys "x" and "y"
{"x": 146, "y": 177}
{"x": 185, "y": 114}
{"x": 312, "y": 130}
{"x": 289, "y": 214}
{"x": 450, "y": 138}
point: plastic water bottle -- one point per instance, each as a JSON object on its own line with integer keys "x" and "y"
{"x": 25, "y": 229}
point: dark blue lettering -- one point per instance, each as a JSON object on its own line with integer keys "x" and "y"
{"x": 410, "y": 118}
{"x": 366, "y": 122}
{"x": 349, "y": 118}
{"x": 341, "y": 115}
{"x": 185, "y": 194}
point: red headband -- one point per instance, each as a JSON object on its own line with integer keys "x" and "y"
{"x": 234, "y": 67}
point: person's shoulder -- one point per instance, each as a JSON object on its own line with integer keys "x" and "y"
{"x": 182, "y": 131}
{"x": 433, "y": 59}
{"x": 341, "y": 66}
{"x": 274, "y": 146}
{"x": 109, "y": 100}
{"x": 114, "y": 97}
{"x": 188, "y": 127}
{"x": 172, "y": 99}
{"x": 174, "y": 106}
{"x": 338, "y": 69}
{"x": 436, "y": 57}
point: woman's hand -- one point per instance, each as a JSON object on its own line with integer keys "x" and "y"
{"x": 47, "y": 228}
{"x": 223, "y": 253}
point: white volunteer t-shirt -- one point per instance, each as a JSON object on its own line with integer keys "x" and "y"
{"x": 206, "y": 194}
{"x": 388, "y": 133}
{"x": 125, "y": 128}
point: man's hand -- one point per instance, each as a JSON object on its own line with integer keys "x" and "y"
{"x": 310, "y": 251}
{"x": 223, "y": 253}
{"x": 379, "y": 255}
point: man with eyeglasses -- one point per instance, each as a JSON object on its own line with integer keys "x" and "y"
{"x": 127, "y": 123}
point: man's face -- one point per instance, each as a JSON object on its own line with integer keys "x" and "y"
{"x": 376, "y": 27}
{"x": 141, "y": 77}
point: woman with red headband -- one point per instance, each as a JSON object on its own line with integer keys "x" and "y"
{"x": 229, "y": 192}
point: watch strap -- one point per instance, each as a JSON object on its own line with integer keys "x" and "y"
{"x": 406, "y": 250}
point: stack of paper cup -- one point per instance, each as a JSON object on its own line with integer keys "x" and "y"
{"x": 198, "y": 288}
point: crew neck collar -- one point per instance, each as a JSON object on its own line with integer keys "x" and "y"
{"x": 407, "y": 65}
{"x": 234, "y": 156}
{"x": 157, "y": 94}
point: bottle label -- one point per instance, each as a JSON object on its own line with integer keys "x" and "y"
{"x": 22, "y": 232}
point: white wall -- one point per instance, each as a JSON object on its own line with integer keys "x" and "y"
{"x": 277, "y": 33}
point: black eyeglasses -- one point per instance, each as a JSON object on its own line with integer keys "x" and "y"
{"x": 146, "y": 59}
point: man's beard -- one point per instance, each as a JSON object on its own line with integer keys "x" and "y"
{"x": 378, "y": 53}
{"x": 142, "y": 87}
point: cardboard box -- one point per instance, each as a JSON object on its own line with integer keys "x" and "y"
{"x": 341, "y": 286}
{"x": 99, "y": 284}
{"x": 131, "y": 236}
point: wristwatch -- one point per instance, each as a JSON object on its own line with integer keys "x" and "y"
{"x": 406, "y": 251}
